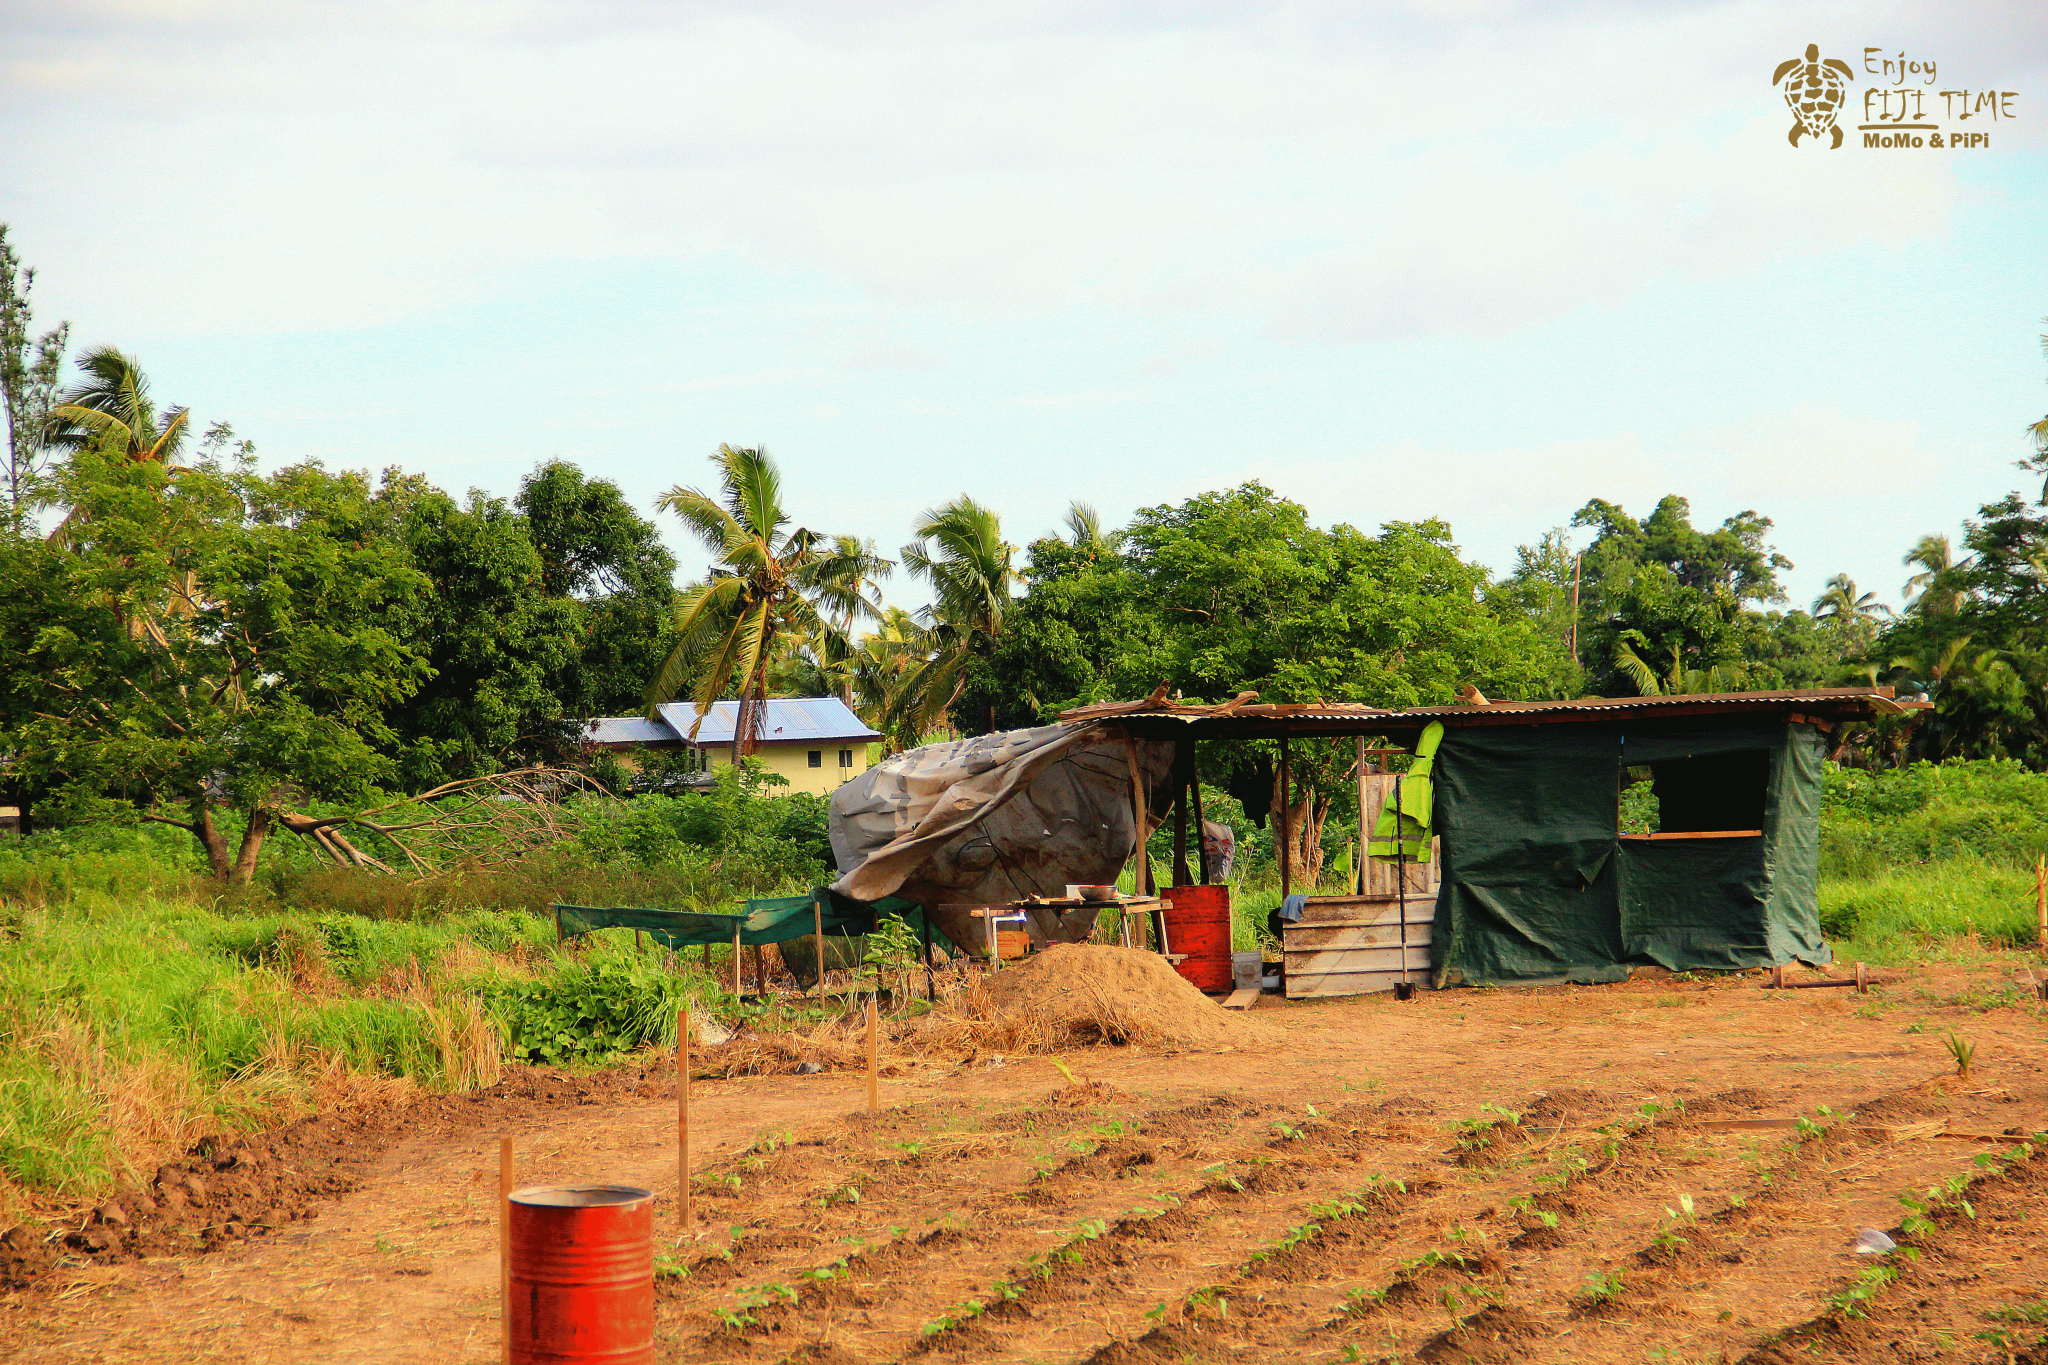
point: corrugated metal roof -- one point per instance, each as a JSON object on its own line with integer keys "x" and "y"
{"x": 1821, "y": 698}
{"x": 629, "y": 730}
{"x": 789, "y": 720}
{"x": 1241, "y": 717}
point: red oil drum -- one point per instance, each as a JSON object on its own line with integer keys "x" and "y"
{"x": 1199, "y": 926}
{"x": 582, "y": 1276}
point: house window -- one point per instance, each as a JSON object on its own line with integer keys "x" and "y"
{"x": 1712, "y": 795}
{"x": 846, "y": 758}
{"x": 816, "y": 758}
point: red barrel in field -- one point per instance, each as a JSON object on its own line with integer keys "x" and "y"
{"x": 1199, "y": 926}
{"x": 582, "y": 1276}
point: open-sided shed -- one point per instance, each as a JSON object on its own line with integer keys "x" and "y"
{"x": 1535, "y": 880}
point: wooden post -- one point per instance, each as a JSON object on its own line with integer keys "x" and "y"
{"x": 2041, "y": 900}
{"x": 1141, "y": 875}
{"x": 760, "y": 971}
{"x": 683, "y": 1122}
{"x": 1181, "y": 875}
{"x": 736, "y": 959}
{"x": 558, "y": 925}
{"x": 818, "y": 936}
{"x": 505, "y": 1246}
{"x": 1283, "y": 828}
{"x": 638, "y": 943}
{"x": 1201, "y": 832}
{"x": 1862, "y": 980}
{"x": 1364, "y": 834}
{"x": 874, "y": 1099}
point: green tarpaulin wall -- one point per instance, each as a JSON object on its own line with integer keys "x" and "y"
{"x": 773, "y": 920}
{"x": 1538, "y": 886}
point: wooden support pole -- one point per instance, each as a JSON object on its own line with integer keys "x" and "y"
{"x": 818, "y": 935}
{"x": 505, "y": 1246}
{"x": 735, "y": 959}
{"x": 874, "y": 1056}
{"x": 1364, "y": 834}
{"x": 683, "y": 1122}
{"x": 1141, "y": 874}
{"x": 2041, "y": 900}
{"x": 1201, "y": 830}
{"x": 1285, "y": 841}
{"x": 760, "y": 971}
{"x": 1181, "y": 875}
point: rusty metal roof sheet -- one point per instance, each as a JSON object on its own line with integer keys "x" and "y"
{"x": 1828, "y": 699}
{"x": 1241, "y": 715}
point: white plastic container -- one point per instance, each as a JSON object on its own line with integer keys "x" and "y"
{"x": 1246, "y": 970}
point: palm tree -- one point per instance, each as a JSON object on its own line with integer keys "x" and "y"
{"x": 111, "y": 409}
{"x": 1084, "y": 531}
{"x": 961, "y": 552}
{"x": 1840, "y": 601}
{"x": 1680, "y": 681}
{"x": 764, "y": 583}
{"x": 1932, "y": 591}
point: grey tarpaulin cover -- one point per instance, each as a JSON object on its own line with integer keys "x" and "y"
{"x": 994, "y": 818}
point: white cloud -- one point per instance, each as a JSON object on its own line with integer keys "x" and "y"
{"x": 1341, "y": 173}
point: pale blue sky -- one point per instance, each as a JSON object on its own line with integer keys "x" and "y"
{"x": 1476, "y": 260}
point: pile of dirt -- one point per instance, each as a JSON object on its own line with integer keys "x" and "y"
{"x": 1081, "y": 993}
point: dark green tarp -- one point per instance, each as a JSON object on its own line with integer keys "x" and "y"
{"x": 1539, "y": 886}
{"x": 770, "y": 920}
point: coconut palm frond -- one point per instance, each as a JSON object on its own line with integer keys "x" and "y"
{"x": 1636, "y": 670}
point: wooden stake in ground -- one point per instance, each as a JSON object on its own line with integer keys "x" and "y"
{"x": 818, "y": 934}
{"x": 683, "y": 1121}
{"x": 505, "y": 1246}
{"x": 874, "y": 1099}
{"x": 735, "y": 959}
{"x": 2041, "y": 899}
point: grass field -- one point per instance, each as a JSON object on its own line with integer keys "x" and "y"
{"x": 141, "y": 1009}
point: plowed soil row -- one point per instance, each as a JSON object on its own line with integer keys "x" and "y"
{"x": 1468, "y": 1176}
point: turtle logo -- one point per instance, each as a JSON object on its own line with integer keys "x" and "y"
{"x": 1814, "y": 90}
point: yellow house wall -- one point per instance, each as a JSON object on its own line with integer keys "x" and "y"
{"x": 790, "y": 761}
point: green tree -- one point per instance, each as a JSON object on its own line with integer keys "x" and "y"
{"x": 765, "y": 582}
{"x": 960, "y": 552}
{"x": 1661, "y": 599}
{"x": 598, "y": 553}
{"x": 1933, "y": 590}
{"x": 1859, "y": 612}
{"x": 28, "y": 383}
{"x": 266, "y": 689}
{"x": 498, "y": 644}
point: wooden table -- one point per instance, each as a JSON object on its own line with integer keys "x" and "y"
{"x": 1130, "y": 905}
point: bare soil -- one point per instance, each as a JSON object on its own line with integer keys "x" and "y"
{"x": 1534, "y": 1175}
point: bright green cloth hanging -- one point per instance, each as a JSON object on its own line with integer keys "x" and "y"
{"x": 1418, "y": 797}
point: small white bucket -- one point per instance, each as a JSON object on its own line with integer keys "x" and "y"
{"x": 1246, "y": 969}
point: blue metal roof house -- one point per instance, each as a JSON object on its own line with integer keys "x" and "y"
{"x": 814, "y": 743}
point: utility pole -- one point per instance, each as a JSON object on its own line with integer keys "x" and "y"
{"x": 1575, "y": 607}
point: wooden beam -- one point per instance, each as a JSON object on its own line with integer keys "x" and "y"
{"x": 1284, "y": 842}
{"x": 1183, "y": 752}
{"x": 1202, "y": 837}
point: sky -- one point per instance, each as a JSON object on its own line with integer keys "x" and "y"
{"x": 1467, "y": 259}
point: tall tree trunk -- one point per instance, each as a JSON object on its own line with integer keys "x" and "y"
{"x": 1303, "y": 846}
{"x": 252, "y": 847}
{"x": 210, "y": 838}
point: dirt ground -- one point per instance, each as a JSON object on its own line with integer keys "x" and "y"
{"x": 1469, "y": 1176}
